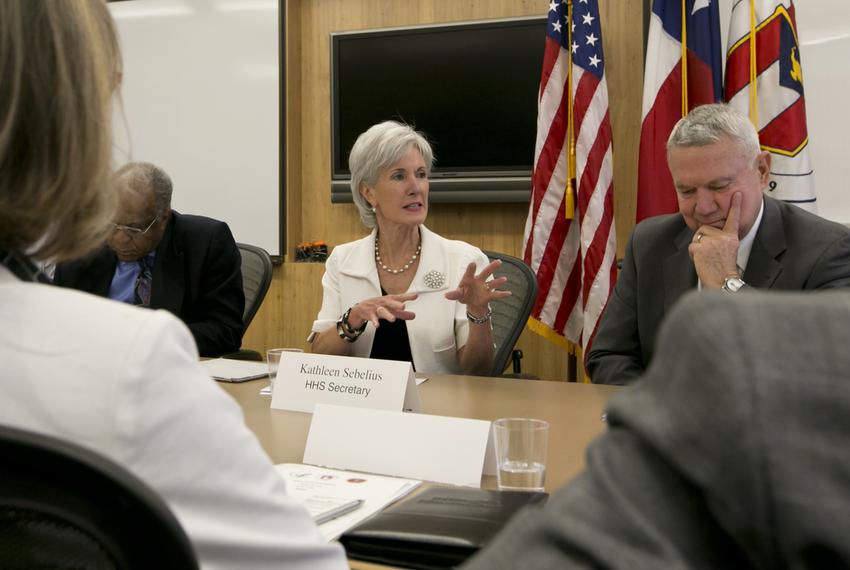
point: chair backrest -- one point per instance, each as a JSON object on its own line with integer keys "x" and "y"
{"x": 63, "y": 506}
{"x": 256, "y": 278}
{"x": 511, "y": 313}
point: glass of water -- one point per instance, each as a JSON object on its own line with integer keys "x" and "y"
{"x": 521, "y": 453}
{"x": 273, "y": 358}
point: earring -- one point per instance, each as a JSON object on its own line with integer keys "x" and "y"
{"x": 372, "y": 209}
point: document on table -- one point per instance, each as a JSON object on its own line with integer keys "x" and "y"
{"x": 323, "y": 489}
{"x": 228, "y": 370}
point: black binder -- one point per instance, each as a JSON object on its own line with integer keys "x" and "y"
{"x": 438, "y": 528}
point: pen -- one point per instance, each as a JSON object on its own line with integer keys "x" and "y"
{"x": 343, "y": 509}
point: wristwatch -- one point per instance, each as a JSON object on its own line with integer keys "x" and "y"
{"x": 733, "y": 284}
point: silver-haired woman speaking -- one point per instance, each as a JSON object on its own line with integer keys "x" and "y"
{"x": 403, "y": 292}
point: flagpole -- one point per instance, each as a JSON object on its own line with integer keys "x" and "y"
{"x": 569, "y": 191}
{"x": 684, "y": 58}
{"x": 754, "y": 111}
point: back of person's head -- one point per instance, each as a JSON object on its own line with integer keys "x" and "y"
{"x": 143, "y": 177}
{"x": 376, "y": 149}
{"x": 60, "y": 66}
{"x": 709, "y": 124}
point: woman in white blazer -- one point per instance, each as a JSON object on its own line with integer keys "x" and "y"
{"x": 122, "y": 381}
{"x": 403, "y": 292}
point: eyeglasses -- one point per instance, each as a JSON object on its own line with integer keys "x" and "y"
{"x": 134, "y": 232}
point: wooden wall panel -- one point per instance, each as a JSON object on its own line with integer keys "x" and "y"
{"x": 295, "y": 295}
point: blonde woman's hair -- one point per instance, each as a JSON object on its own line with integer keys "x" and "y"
{"x": 60, "y": 66}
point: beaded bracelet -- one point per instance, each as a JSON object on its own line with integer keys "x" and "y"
{"x": 346, "y": 331}
{"x": 480, "y": 320}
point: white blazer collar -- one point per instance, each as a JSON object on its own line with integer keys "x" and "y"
{"x": 361, "y": 260}
{"x": 432, "y": 274}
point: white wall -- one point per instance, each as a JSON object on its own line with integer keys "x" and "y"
{"x": 201, "y": 100}
{"x": 824, "y": 34}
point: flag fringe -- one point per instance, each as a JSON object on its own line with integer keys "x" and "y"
{"x": 560, "y": 341}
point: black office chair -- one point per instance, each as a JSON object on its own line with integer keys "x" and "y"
{"x": 256, "y": 278}
{"x": 511, "y": 313}
{"x": 63, "y": 506}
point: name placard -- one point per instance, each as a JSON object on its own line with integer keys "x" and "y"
{"x": 418, "y": 446}
{"x": 304, "y": 380}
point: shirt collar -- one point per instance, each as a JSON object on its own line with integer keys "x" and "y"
{"x": 745, "y": 246}
{"x": 149, "y": 259}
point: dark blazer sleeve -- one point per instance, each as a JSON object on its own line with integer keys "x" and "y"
{"x": 215, "y": 317}
{"x": 92, "y": 274}
{"x": 616, "y": 356}
{"x": 729, "y": 453}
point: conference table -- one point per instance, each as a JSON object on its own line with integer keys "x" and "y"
{"x": 574, "y": 412}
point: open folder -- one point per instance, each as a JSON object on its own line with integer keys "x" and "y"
{"x": 227, "y": 370}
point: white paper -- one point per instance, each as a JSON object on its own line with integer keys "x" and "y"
{"x": 304, "y": 380}
{"x": 419, "y": 446}
{"x": 228, "y": 370}
{"x": 310, "y": 483}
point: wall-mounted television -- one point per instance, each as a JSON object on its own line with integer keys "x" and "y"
{"x": 470, "y": 87}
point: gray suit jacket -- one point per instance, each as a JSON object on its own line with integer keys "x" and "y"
{"x": 793, "y": 250}
{"x": 731, "y": 452}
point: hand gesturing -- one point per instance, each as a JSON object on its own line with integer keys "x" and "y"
{"x": 388, "y": 307}
{"x": 475, "y": 291}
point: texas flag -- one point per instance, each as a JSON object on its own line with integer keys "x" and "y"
{"x": 765, "y": 80}
{"x": 683, "y": 70}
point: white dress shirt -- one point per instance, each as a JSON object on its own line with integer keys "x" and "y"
{"x": 125, "y": 382}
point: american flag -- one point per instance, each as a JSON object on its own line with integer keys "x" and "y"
{"x": 771, "y": 92}
{"x": 574, "y": 258}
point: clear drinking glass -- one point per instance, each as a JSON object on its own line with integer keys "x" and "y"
{"x": 521, "y": 453}
{"x": 273, "y": 359}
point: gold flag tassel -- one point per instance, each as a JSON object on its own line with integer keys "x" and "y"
{"x": 569, "y": 191}
{"x": 754, "y": 111}
{"x": 684, "y": 58}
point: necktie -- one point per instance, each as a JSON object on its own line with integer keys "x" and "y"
{"x": 142, "y": 288}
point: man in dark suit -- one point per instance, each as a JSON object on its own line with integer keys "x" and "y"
{"x": 156, "y": 257}
{"x": 729, "y": 453}
{"x": 727, "y": 235}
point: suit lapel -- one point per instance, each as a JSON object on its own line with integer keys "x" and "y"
{"x": 361, "y": 263}
{"x": 679, "y": 274}
{"x": 168, "y": 294}
{"x": 762, "y": 267}
{"x": 102, "y": 272}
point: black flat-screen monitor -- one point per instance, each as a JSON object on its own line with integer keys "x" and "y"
{"x": 471, "y": 88}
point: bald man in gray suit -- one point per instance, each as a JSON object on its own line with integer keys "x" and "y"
{"x": 731, "y": 452}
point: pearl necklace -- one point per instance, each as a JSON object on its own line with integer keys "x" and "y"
{"x": 404, "y": 267}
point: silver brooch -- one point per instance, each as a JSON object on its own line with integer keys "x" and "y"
{"x": 434, "y": 279}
